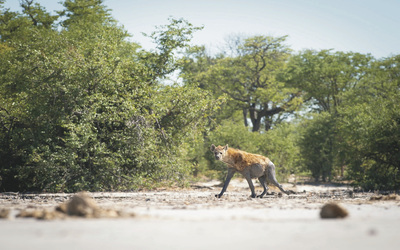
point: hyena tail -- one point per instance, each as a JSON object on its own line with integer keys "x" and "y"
{"x": 272, "y": 179}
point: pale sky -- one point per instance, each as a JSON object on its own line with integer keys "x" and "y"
{"x": 365, "y": 26}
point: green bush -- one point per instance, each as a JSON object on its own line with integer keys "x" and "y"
{"x": 81, "y": 108}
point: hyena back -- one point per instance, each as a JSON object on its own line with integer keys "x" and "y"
{"x": 249, "y": 165}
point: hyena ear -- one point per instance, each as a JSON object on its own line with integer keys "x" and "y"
{"x": 212, "y": 148}
{"x": 226, "y": 147}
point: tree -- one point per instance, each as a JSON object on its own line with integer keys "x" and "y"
{"x": 38, "y": 14}
{"x": 82, "y": 108}
{"x": 85, "y": 12}
{"x": 171, "y": 40}
{"x": 370, "y": 124}
{"x": 249, "y": 76}
{"x": 325, "y": 78}
{"x": 317, "y": 145}
{"x": 19, "y": 66}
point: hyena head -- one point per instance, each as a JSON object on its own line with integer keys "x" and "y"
{"x": 219, "y": 152}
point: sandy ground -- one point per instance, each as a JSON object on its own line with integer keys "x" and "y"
{"x": 195, "y": 219}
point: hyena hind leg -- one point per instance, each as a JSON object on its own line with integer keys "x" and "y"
{"x": 263, "y": 181}
{"x": 272, "y": 179}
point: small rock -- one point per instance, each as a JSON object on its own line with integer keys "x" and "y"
{"x": 83, "y": 205}
{"x": 384, "y": 197}
{"x": 80, "y": 204}
{"x": 41, "y": 214}
{"x": 376, "y": 198}
{"x": 372, "y": 232}
{"x": 4, "y": 213}
{"x": 332, "y": 211}
{"x": 51, "y": 215}
{"x": 30, "y": 214}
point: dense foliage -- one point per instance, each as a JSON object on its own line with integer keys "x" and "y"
{"x": 356, "y": 126}
{"x": 83, "y": 108}
{"x": 332, "y": 114}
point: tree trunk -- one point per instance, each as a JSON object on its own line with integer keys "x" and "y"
{"x": 268, "y": 124}
{"x": 256, "y": 125}
{"x": 246, "y": 124}
{"x": 255, "y": 118}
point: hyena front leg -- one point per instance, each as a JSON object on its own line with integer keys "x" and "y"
{"x": 231, "y": 172}
{"x": 248, "y": 179}
{"x": 263, "y": 182}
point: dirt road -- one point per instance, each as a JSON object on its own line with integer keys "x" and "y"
{"x": 195, "y": 219}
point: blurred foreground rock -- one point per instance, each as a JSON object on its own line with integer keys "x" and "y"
{"x": 333, "y": 211}
{"x": 4, "y": 213}
{"x": 80, "y": 205}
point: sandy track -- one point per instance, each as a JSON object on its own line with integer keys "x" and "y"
{"x": 195, "y": 219}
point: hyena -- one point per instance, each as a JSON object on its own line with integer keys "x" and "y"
{"x": 249, "y": 165}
